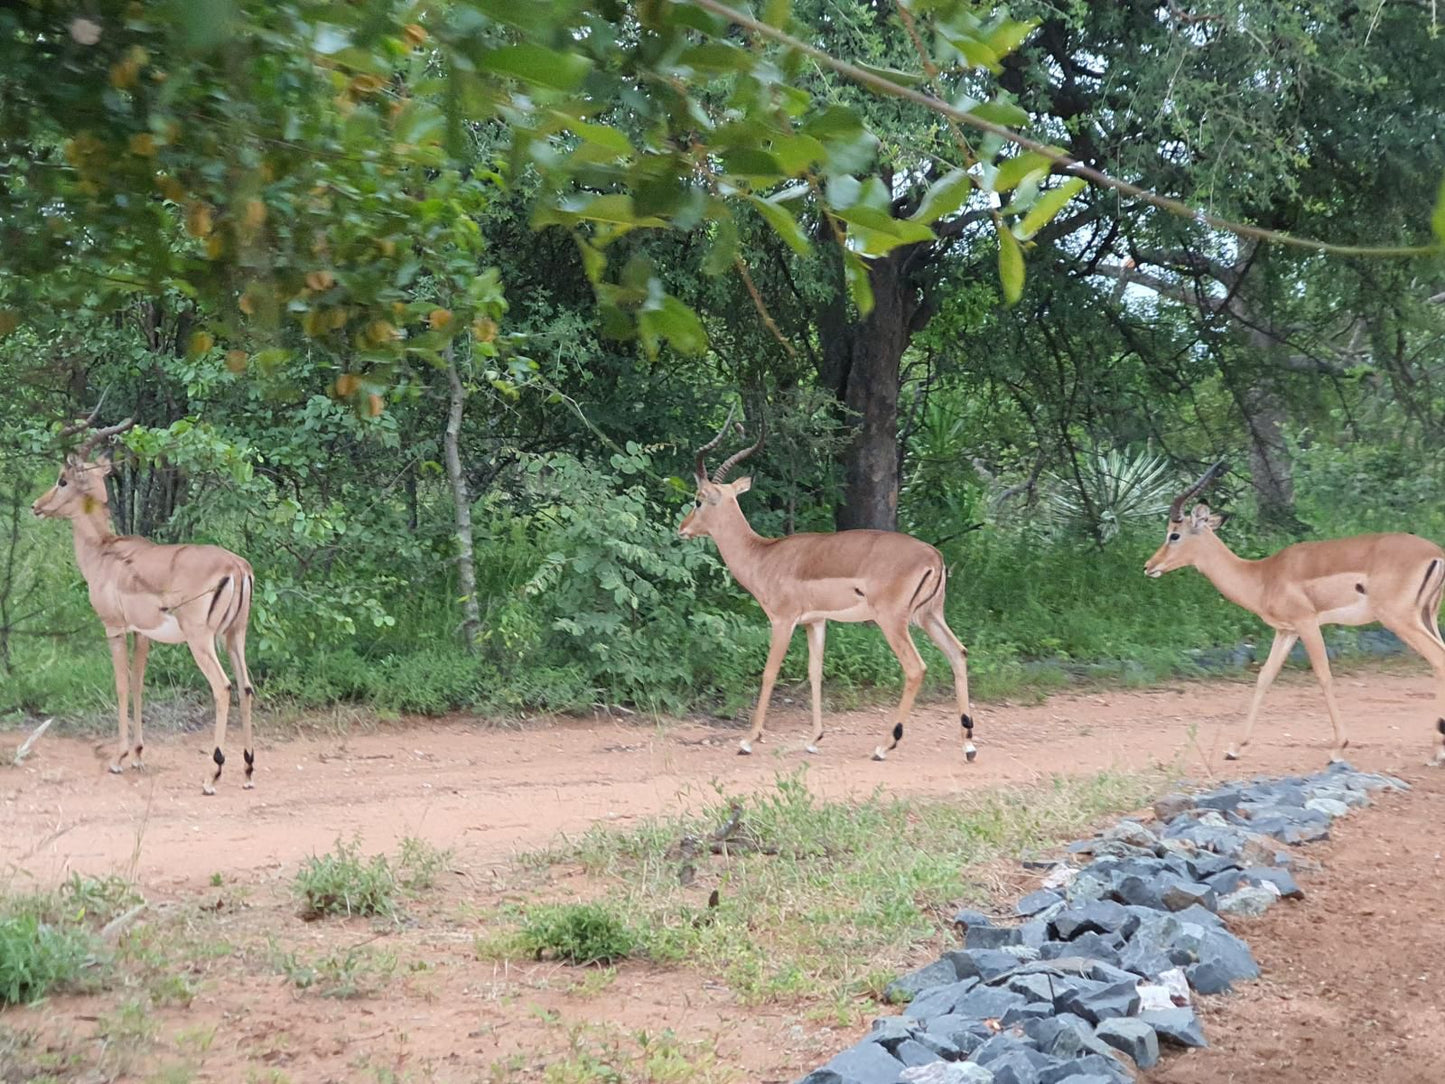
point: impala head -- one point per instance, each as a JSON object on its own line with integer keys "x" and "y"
{"x": 715, "y": 493}
{"x": 80, "y": 489}
{"x": 1186, "y": 532}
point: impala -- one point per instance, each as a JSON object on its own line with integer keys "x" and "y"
{"x": 885, "y": 577}
{"x": 170, "y": 594}
{"x": 1395, "y": 579}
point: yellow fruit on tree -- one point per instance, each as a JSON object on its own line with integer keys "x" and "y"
{"x": 346, "y": 385}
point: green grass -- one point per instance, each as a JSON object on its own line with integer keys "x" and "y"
{"x": 342, "y": 882}
{"x": 49, "y": 942}
{"x": 343, "y": 973}
{"x": 819, "y": 900}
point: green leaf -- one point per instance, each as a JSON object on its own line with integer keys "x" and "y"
{"x": 904, "y": 230}
{"x": 751, "y": 162}
{"x": 893, "y": 75}
{"x": 944, "y": 196}
{"x": 716, "y": 56}
{"x": 1437, "y": 220}
{"x": 1049, "y": 204}
{"x": 778, "y": 13}
{"x": 783, "y": 223}
{"x": 855, "y": 271}
{"x": 1001, "y": 112}
{"x": 1010, "y": 266}
{"x": 680, "y": 326}
{"x": 1011, "y": 171}
{"x": 539, "y": 65}
{"x": 615, "y": 208}
{"x": 724, "y": 248}
{"x": 1009, "y": 35}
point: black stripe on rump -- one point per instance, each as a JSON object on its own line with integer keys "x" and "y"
{"x": 217, "y": 597}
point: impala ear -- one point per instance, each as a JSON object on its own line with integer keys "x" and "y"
{"x": 1201, "y": 517}
{"x": 102, "y": 464}
{"x": 741, "y": 486}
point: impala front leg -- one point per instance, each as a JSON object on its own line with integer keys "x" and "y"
{"x": 782, "y": 634}
{"x": 816, "y": 633}
{"x": 138, "y": 680}
{"x": 1320, "y": 661}
{"x": 121, "y": 664}
{"x": 1278, "y": 653}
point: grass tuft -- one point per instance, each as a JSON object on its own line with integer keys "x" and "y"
{"x": 342, "y": 882}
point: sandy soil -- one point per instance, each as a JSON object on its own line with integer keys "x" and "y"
{"x": 489, "y": 794}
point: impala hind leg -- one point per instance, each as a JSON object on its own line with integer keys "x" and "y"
{"x": 137, "y": 681}
{"x": 1278, "y": 652}
{"x": 1320, "y": 661}
{"x": 906, "y": 651}
{"x": 782, "y": 634}
{"x": 120, "y": 663}
{"x": 236, "y": 647}
{"x": 817, "y": 631}
{"x": 1427, "y": 645}
{"x": 203, "y": 650}
{"x": 957, "y": 655}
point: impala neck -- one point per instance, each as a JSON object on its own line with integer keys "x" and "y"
{"x": 92, "y": 529}
{"x": 737, "y": 543}
{"x": 1237, "y": 579}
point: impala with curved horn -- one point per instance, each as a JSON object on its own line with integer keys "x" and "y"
{"x": 886, "y": 577}
{"x": 1395, "y": 579}
{"x": 171, "y": 594}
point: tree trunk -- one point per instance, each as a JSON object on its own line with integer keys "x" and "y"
{"x": 1265, "y": 412}
{"x": 466, "y": 570}
{"x": 861, "y": 363}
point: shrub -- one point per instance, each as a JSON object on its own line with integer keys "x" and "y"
{"x": 578, "y": 933}
{"x": 341, "y": 882}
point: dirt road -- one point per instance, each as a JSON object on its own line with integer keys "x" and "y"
{"x": 488, "y": 793}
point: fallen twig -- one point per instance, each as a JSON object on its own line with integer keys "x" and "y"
{"x": 25, "y": 746}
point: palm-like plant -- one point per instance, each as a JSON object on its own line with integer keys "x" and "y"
{"x": 1109, "y": 490}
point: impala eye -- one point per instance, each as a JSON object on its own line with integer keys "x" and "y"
{"x": 1174, "y": 536}
{"x": 62, "y": 482}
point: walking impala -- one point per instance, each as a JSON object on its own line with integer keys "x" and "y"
{"x": 886, "y": 577}
{"x": 171, "y": 594}
{"x": 1395, "y": 579}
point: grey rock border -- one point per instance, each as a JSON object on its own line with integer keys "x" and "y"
{"x": 1100, "y": 971}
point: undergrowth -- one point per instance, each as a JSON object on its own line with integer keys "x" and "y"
{"x": 49, "y": 941}
{"x": 814, "y": 898}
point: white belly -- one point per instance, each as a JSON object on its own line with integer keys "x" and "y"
{"x": 1357, "y": 613}
{"x": 860, "y": 612}
{"x": 167, "y": 632}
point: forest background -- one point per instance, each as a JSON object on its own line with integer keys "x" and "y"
{"x": 422, "y": 308}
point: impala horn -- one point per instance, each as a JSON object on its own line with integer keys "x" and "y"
{"x": 720, "y": 475}
{"x": 1177, "y": 508}
{"x": 98, "y": 435}
{"x": 710, "y": 445}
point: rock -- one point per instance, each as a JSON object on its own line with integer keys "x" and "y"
{"x": 1098, "y": 1001}
{"x": 1015, "y": 1067}
{"x": 1095, "y": 916}
{"x": 982, "y": 964}
{"x": 1065, "y": 1036}
{"x": 1137, "y": 892}
{"x": 1086, "y": 886}
{"x": 912, "y": 1052}
{"x": 1200, "y": 917}
{"x": 952, "y": 1036}
{"x": 1177, "y": 1027}
{"x": 938, "y": 1000}
{"x": 1204, "y": 866}
{"x": 1021, "y": 953}
{"x": 1030, "y": 1010}
{"x": 1226, "y": 797}
{"x": 1038, "y": 901}
{"x": 1250, "y": 900}
{"x": 988, "y": 1003}
{"x": 1089, "y": 1069}
{"x": 966, "y": 917}
{"x": 1258, "y": 850}
{"x": 866, "y": 1063}
{"x": 1177, "y": 895}
{"x": 1171, "y": 805}
{"x": 990, "y": 937}
{"x": 1132, "y": 833}
{"x": 1035, "y": 931}
{"x": 1225, "y": 882}
{"x": 890, "y": 1030}
{"x": 1060, "y": 877}
{"x": 1229, "y": 954}
{"x": 1096, "y": 946}
{"x": 1281, "y": 879}
{"x": 1133, "y": 1037}
{"x": 947, "y": 1072}
{"x": 938, "y": 973}
{"x": 1035, "y": 987}
{"x": 1208, "y": 978}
